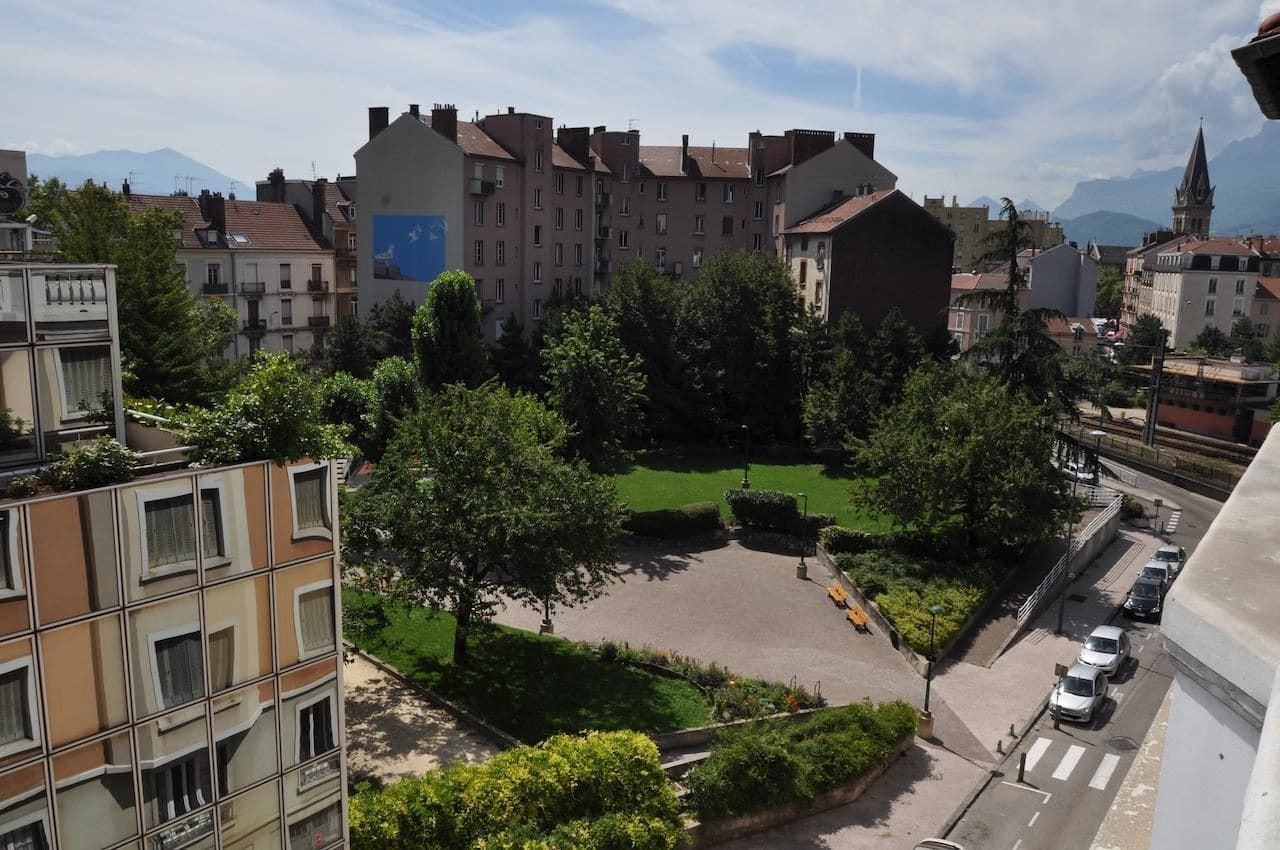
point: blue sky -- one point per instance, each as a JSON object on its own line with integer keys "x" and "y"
{"x": 994, "y": 97}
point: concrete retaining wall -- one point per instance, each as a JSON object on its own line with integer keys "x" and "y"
{"x": 729, "y": 829}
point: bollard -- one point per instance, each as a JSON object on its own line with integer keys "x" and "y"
{"x": 1012, "y": 734}
{"x": 1055, "y": 720}
{"x": 1000, "y": 747}
{"x": 1022, "y": 766}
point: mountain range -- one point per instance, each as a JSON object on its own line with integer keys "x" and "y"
{"x": 157, "y": 172}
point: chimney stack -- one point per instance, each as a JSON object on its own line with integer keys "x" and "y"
{"x": 213, "y": 207}
{"x": 684, "y": 154}
{"x": 413, "y": 110}
{"x": 576, "y": 142}
{"x": 444, "y": 120}
{"x": 125, "y": 188}
{"x": 319, "y": 193}
{"x": 379, "y": 117}
{"x": 276, "y": 186}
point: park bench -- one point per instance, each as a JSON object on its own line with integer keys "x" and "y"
{"x": 858, "y": 617}
{"x": 838, "y": 595}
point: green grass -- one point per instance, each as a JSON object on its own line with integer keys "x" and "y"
{"x": 526, "y": 684}
{"x": 669, "y": 480}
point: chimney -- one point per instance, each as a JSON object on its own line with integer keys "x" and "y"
{"x": 413, "y": 110}
{"x": 276, "y": 185}
{"x": 379, "y": 117}
{"x": 576, "y": 142}
{"x": 511, "y": 110}
{"x": 684, "y": 154}
{"x": 213, "y": 207}
{"x": 444, "y": 120}
{"x": 125, "y": 188}
{"x": 864, "y": 142}
{"x": 713, "y": 150}
{"x": 319, "y": 192}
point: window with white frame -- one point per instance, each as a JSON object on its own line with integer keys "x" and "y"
{"x": 500, "y": 290}
{"x": 85, "y": 378}
{"x": 699, "y": 224}
{"x": 1210, "y": 306}
{"x": 537, "y": 235}
{"x": 351, "y": 240}
{"x": 1240, "y": 286}
{"x": 222, "y": 656}
{"x": 757, "y": 211}
{"x": 537, "y": 199}
{"x": 577, "y": 254}
{"x": 168, "y": 533}
{"x": 697, "y": 258}
{"x": 557, "y": 254}
{"x": 1237, "y": 307}
{"x": 310, "y": 486}
{"x": 559, "y": 182}
{"x": 537, "y": 161}
{"x": 19, "y": 722}
{"x": 700, "y": 192}
{"x": 577, "y": 219}
{"x": 499, "y": 175}
{"x": 177, "y": 667}
{"x": 662, "y": 190}
{"x": 758, "y": 173}
{"x": 30, "y": 836}
{"x": 1213, "y": 285}
{"x": 316, "y": 734}
{"x": 479, "y": 207}
{"x": 559, "y": 218}
{"x": 181, "y": 786}
{"x": 660, "y": 258}
{"x": 500, "y": 214}
{"x": 728, "y": 193}
{"x": 537, "y": 272}
{"x": 313, "y": 611}
{"x": 757, "y": 244}
{"x": 479, "y": 253}
{"x": 537, "y": 308}
{"x": 624, "y": 239}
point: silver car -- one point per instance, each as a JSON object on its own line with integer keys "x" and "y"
{"x": 1160, "y": 571}
{"x": 1079, "y": 694}
{"x": 1174, "y": 556}
{"x": 1106, "y": 648}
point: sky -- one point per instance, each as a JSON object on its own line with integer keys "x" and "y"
{"x": 990, "y": 97}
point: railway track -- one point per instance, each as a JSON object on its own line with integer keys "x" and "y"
{"x": 1205, "y": 447}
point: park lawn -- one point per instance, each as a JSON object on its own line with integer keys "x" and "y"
{"x": 528, "y": 685}
{"x": 666, "y": 480}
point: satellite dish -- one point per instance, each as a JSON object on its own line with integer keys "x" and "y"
{"x": 13, "y": 195}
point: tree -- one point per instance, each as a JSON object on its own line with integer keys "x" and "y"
{"x": 90, "y": 224}
{"x": 274, "y": 414}
{"x": 963, "y": 452}
{"x": 839, "y": 409}
{"x": 350, "y": 348}
{"x": 512, "y": 357}
{"x": 1144, "y": 339}
{"x": 45, "y": 200}
{"x": 390, "y": 326}
{"x": 478, "y": 504}
{"x": 1244, "y": 338}
{"x": 1212, "y": 342}
{"x": 350, "y": 402}
{"x": 1110, "y": 297}
{"x": 594, "y": 385}
{"x": 447, "y": 347}
{"x": 895, "y": 351}
{"x": 396, "y": 395}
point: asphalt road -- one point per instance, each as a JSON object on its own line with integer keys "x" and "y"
{"x": 1072, "y": 773}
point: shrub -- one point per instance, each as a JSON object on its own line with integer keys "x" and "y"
{"x": 838, "y": 540}
{"x": 877, "y": 570}
{"x": 814, "y": 524}
{"x": 1131, "y": 508}
{"x": 747, "y": 770}
{"x": 907, "y": 607}
{"x": 96, "y": 463}
{"x": 675, "y": 523}
{"x": 23, "y": 486}
{"x": 767, "y": 510}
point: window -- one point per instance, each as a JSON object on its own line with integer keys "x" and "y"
{"x": 537, "y": 162}
{"x": 479, "y": 205}
{"x": 660, "y": 223}
{"x": 180, "y": 787}
{"x": 700, "y": 192}
{"x": 626, "y": 172}
{"x": 537, "y": 308}
{"x": 1213, "y": 285}
{"x": 1263, "y": 308}
{"x": 1209, "y": 306}
{"x": 500, "y": 290}
{"x": 499, "y": 175}
{"x": 477, "y": 171}
{"x": 804, "y": 243}
{"x": 578, "y": 186}
{"x": 222, "y": 655}
{"x": 500, "y": 252}
{"x": 85, "y": 376}
{"x": 212, "y": 536}
{"x": 557, "y": 254}
{"x": 699, "y": 224}
{"x": 318, "y": 830}
{"x": 623, "y": 239}
{"x": 27, "y": 837}
{"x": 626, "y": 206}
{"x": 560, "y": 183}
{"x": 662, "y": 190}
{"x": 479, "y": 252}
{"x": 697, "y": 258}
{"x": 17, "y": 707}
{"x": 557, "y": 287}
{"x": 1240, "y": 286}
{"x": 537, "y": 234}
{"x": 757, "y": 210}
{"x": 286, "y": 342}
{"x": 641, "y": 189}
{"x": 559, "y": 218}
{"x": 169, "y": 537}
{"x": 315, "y": 728}
{"x": 577, "y": 219}
{"x": 758, "y": 173}
{"x": 660, "y": 258}
{"x": 728, "y": 193}
{"x": 577, "y": 254}
{"x": 537, "y": 272}
{"x": 286, "y": 313}
{"x": 1242, "y": 264}
{"x": 1237, "y": 307}
{"x": 286, "y": 276}
{"x": 1261, "y": 330}
{"x": 500, "y": 214}
{"x": 351, "y": 240}
{"x": 537, "y": 199}
{"x": 726, "y": 226}
{"x": 213, "y": 272}
{"x": 310, "y": 490}
{"x": 577, "y": 286}
{"x": 178, "y": 672}
{"x": 9, "y": 579}
{"x": 757, "y": 243}
{"x": 313, "y": 610}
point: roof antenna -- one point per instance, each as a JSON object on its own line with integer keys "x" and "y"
{"x": 313, "y": 169}
{"x": 132, "y": 174}
{"x": 631, "y": 123}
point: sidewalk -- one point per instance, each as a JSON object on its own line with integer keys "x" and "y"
{"x": 1129, "y": 823}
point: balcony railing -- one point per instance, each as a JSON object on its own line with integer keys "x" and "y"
{"x": 219, "y": 288}
{"x": 345, "y": 255}
{"x": 481, "y": 187}
{"x": 317, "y": 286}
{"x": 318, "y": 321}
{"x": 318, "y": 772}
{"x": 252, "y": 288}
{"x": 255, "y": 327}
{"x": 602, "y": 232}
{"x": 603, "y": 266}
{"x": 602, "y": 199}
{"x": 187, "y": 832}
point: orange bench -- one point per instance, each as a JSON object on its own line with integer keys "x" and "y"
{"x": 838, "y": 595}
{"x": 858, "y": 617}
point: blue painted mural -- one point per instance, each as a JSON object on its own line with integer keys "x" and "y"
{"x": 408, "y": 247}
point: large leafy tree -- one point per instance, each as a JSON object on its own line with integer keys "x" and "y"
{"x": 1244, "y": 338}
{"x": 895, "y": 351}
{"x": 964, "y": 453}
{"x": 477, "y": 503}
{"x": 1110, "y": 297}
{"x": 1143, "y": 340}
{"x": 594, "y": 384}
{"x": 390, "y": 326}
{"x": 447, "y": 347}
{"x": 512, "y": 357}
{"x": 1211, "y": 341}
{"x": 350, "y": 348}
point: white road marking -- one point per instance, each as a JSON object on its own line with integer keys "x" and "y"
{"x": 1037, "y": 752}
{"x": 1117, "y": 696}
{"x": 1017, "y": 844}
{"x": 1140, "y": 648}
{"x": 1047, "y": 796}
{"x": 1069, "y": 762}
{"x": 1033, "y": 820}
{"x": 1172, "y": 524}
{"x": 1102, "y": 775}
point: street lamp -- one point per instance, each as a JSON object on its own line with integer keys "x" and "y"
{"x": 934, "y": 611}
{"x": 746, "y": 457}
{"x": 802, "y": 571}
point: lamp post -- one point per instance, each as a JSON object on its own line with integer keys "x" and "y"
{"x": 802, "y": 569}
{"x": 1066, "y": 564}
{"x": 934, "y": 611}
{"x": 746, "y": 457}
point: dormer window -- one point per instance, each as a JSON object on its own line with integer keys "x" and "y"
{"x": 211, "y": 237}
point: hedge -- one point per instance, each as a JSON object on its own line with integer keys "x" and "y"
{"x": 774, "y": 510}
{"x": 838, "y": 540}
{"x": 676, "y": 523}
{"x": 771, "y": 764}
{"x": 599, "y": 791}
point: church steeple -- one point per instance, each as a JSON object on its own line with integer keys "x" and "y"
{"x": 1193, "y": 199}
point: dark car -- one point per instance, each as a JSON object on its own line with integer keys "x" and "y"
{"x": 1145, "y": 599}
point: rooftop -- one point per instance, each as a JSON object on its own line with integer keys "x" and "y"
{"x": 250, "y": 225}
{"x": 1218, "y": 370}
{"x": 664, "y": 161}
{"x": 839, "y": 213}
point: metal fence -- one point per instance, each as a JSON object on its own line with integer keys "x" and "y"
{"x": 1032, "y": 605}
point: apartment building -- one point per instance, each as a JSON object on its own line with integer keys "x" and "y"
{"x": 329, "y": 210}
{"x": 534, "y": 212}
{"x": 1062, "y": 278}
{"x": 1197, "y": 283}
{"x": 1265, "y": 313}
{"x": 1139, "y": 277}
{"x": 262, "y": 260}
{"x": 869, "y": 254}
{"x": 169, "y": 668}
{"x": 973, "y": 227}
{"x": 969, "y": 323}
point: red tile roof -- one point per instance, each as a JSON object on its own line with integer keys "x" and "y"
{"x": 560, "y": 158}
{"x": 664, "y": 161}
{"x": 334, "y": 199}
{"x": 969, "y": 281}
{"x": 1228, "y": 245}
{"x": 835, "y": 216}
{"x": 187, "y": 206}
{"x": 268, "y": 226}
{"x": 474, "y": 141}
{"x": 1268, "y": 287}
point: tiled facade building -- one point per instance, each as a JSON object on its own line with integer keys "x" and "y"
{"x": 973, "y": 227}
{"x": 169, "y": 666}
{"x": 532, "y": 211}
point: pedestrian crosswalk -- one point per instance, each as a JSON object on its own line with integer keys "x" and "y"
{"x": 1172, "y": 525}
{"x": 1070, "y": 759}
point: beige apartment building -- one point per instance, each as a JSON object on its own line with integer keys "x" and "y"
{"x": 534, "y": 211}
{"x": 973, "y": 227}
{"x": 1197, "y": 283}
{"x": 169, "y": 667}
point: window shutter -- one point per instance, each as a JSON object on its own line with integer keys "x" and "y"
{"x": 179, "y": 669}
{"x": 315, "y": 613}
{"x": 170, "y": 531}
{"x": 6, "y": 565}
{"x": 304, "y": 734}
{"x": 324, "y": 726}
{"x": 14, "y": 725}
{"x": 86, "y": 376}
{"x": 211, "y": 523}
{"x": 221, "y": 659}
{"x": 309, "y": 491}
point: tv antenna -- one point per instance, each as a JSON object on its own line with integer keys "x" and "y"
{"x": 631, "y": 123}
{"x": 313, "y": 169}
{"x": 132, "y": 175}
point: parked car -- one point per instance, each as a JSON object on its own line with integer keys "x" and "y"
{"x": 1079, "y": 694}
{"x": 1174, "y": 556}
{"x": 1106, "y": 648}
{"x": 1145, "y": 599}
{"x": 1158, "y": 571}
{"x": 1080, "y": 472}
{"x": 938, "y": 844}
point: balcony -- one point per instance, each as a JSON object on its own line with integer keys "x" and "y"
{"x": 318, "y": 286}
{"x": 317, "y": 773}
{"x": 603, "y": 231}
{"x": 481, "y": 187}
{"x": 603, "y": 266}
{"x": 318, "y": 321}
{"x": 255, "y": 327}
{"x": 345, "y": 255}
{"x": 602, "y": 199}
{"x": 187, "y": 832}
{"x": 218, "y": 288}
{"x": 253, "y": 288}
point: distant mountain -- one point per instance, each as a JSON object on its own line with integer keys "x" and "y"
{"x": 1246, "y": 174}
{"x": 1027, "y": 204}
{"x": 158, "y": 172}
{"x": 984, "y": 201}
{"x": 1107, "y": 228}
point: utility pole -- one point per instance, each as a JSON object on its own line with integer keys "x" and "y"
{"x": 1153, "y": 394}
